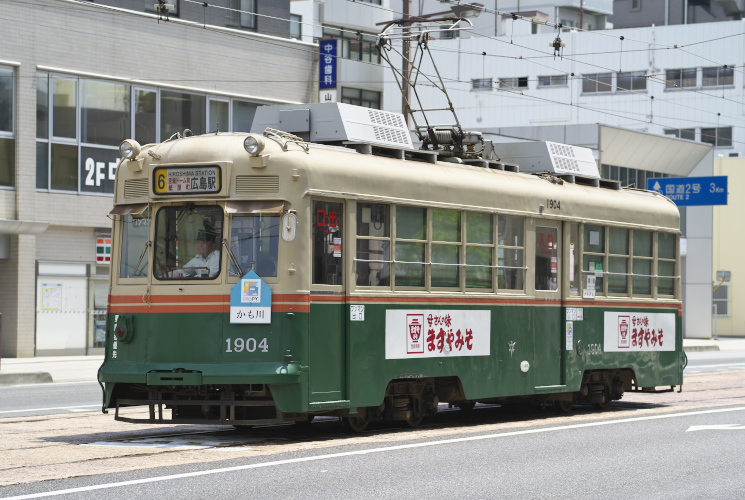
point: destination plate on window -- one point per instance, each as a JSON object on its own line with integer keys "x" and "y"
{"x": 187, "y": 180}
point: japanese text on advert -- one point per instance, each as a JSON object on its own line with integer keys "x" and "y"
{"x": 636, "y": 331}
{"x": 436, "y": 333}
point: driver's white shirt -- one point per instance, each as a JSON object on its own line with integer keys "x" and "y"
{"x": 212, "y": 261}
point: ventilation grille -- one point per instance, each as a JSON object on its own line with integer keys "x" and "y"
{"x": 385, "y": 118}
{"x": 566, "y": 164}
{"x": 391, "y": 135}
{"x": 560, "y": 149}
{"x": 257, "y": 184}
{"x": 135, "y": 188}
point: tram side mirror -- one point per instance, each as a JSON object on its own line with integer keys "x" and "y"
{"x": 289, "y": 227}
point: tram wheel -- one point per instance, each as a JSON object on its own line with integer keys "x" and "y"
{"x": 413, "y": 421}
{"x": 354, "y": 425}
{"x": 563, "y": 406}
{"x": 604, "y": 404}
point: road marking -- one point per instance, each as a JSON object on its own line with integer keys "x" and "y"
{"x": 721, "y": 427}
{"x": 73, "y": 408}
{"x": 172, "y": 477}
{"x": 721, "y": 365}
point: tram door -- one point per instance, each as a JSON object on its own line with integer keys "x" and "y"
{"x": 547, "y": 333}
{"x": 327, "y": 330}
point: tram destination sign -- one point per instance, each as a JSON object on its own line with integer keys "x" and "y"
{"x": 196, "y": 179}
{"x": 692, "y": 191}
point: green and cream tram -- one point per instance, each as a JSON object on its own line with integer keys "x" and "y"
{"x": 262, "y": 278}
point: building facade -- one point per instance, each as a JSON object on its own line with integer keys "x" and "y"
{"x": 76, "y": 78}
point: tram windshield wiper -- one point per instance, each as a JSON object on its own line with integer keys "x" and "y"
{"x": 232, "y": 257}
{"x": 139, "y": 270}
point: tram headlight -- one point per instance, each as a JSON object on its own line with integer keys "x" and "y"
{"x": 254, "y": 145}
{"x": 129, "y": 149}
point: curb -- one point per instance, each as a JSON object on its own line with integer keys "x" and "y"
{"x": 25, "y": 378}
{"x": 701, "y": 348}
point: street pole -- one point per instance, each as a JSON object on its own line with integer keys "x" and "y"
{"x": 406, "y": 94}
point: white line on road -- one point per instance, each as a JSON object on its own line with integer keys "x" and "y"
{"x": 721, "y": 365}
{"x": 74, "y": 408}
{"x": 365, "y": 452}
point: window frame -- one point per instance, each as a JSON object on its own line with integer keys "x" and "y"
{"x": 10, "y": 135}
{"x": 595, "y": 78}
{"x": 730, "y": 74}
{"x": 563, "y": 81}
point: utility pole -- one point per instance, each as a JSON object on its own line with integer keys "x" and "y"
{"x": 406, "y": 90}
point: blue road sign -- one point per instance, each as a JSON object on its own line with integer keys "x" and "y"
{"x": 692, "y": 191}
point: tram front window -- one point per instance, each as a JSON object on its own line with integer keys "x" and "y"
{"x": 254, "y": 241}
{"x": 188, "y": 242}
{"x": 134, "y": 246}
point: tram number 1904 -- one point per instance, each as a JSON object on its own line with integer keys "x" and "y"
{"x": 553, "y": 204}
{"x": 249, "y": 344}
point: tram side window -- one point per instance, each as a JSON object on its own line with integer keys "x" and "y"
{"x": 327, "y": 243}
{"x": 134, "y": 256}
{"x": 546, "y": 258}
{"x": 254, "y": 241}
{"x": 666, "y": 263}
{"x": 411, "y": 243}
{"x": 511, "y": 252}
{"x": 479, "y": 250}
{"x": 373, "y": 245}
{"x": 574, "y": 274}
{"x": 446, "y": 244}
{"x": 618, "y": 260}
{"x": 642, "y": 263}
{"x": 593, "y": 262}
{"x": 188, "y": 242}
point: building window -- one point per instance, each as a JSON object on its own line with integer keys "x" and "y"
{"x": 680, "y": 78}
{"x": 597, "y": 83}
{"x": 514, "y": 83}
{"x": 717, "y": 76}
{"x": 682, "y": 133}
{"x": 374, "y": 2}
{"x": 631, "y": 81}
{"x": 296, "y": 26}
{"x": 7, "y": 127}
{"x": 720, "y": 300}
{"x": 355, "y": 45}
{"x": 248, "y": 14}
{"x": 81, "y": 155}
{"x": 718, "y": 137}
{"x": 360, "y": 97}
{"x": 481, "y": 84}
{"x": 636, "y": 4}
{"x": 552, "y": 81}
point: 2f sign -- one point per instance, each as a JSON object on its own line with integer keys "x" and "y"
{"x": 98, "y": 171}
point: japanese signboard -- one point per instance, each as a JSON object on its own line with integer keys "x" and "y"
{"x": 635, "y": 331}
{"x": 692, "y": 191}
{"x": 329, "y": 54}
{"x": 186, "y": 180}
{"x": 251, "y": 300}
{"x": 424, "y": 333}
{"x": 98, "y": 169}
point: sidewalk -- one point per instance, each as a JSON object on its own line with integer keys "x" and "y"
{"x": 14, "y": 371}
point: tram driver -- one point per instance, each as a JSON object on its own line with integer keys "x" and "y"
{"x": 206, "y": 260}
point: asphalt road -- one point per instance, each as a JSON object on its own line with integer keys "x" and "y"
{"x": 49, "y": 399}
{"x": 675, "y": 455}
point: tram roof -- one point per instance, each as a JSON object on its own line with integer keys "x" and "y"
{"x": 341, "y": 172}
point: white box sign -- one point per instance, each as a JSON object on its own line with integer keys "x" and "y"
{"x": 424, "y": 333}
{"x": 634, "y": 331}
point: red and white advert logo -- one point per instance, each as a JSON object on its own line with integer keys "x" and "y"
{"x": 414, "y": 330}
{"x": 623, "y": 332}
